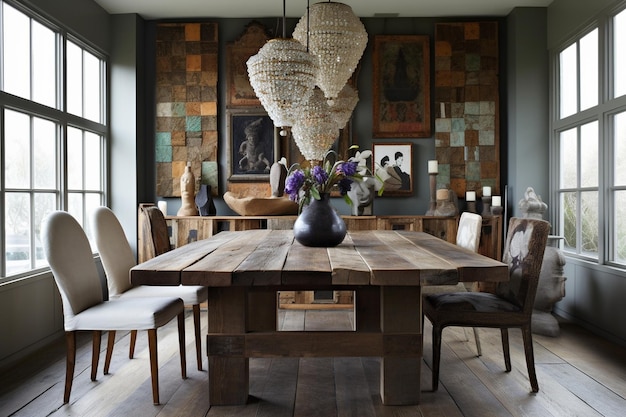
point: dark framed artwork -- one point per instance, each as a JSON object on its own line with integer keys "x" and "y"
{"x": 393, "y": 164}
{"x": 240, "y": 92}
{"x": 254, "y": 145}
{"x": 401, "y": 78}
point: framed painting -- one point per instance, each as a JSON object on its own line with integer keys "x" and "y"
{"x": 393, "y": 164}
{"x": 254, "y": 145}
{"x": 401, "y": 78}
{"x": 240, "y": 92}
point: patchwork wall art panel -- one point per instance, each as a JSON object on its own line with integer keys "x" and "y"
{"x": 186, "y": 105}
{"x": 467, "y": 139}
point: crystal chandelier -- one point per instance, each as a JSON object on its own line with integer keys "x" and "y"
{"x": 315, "y": 130}
{"x": 282, "y": 75}
{"x": 337, "y": 37}
{"x": 341, "y": 108}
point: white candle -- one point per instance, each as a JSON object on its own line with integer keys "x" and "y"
{"x": 433, "y": 167}
{"x": 470, "y": 196}
{"x": 163, "y": 207}
{"x": 496, "y": 201}
{"x": 486, "y": 191}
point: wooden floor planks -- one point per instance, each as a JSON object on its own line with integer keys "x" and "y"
{"x": 579, "y": 374}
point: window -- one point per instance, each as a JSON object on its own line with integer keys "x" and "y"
{"x": 51, "y": 157}
{"x": 589, "y": 127}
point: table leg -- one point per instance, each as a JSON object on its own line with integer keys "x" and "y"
{"x": 400, "y": 313}
{"x": 228, "y": 375}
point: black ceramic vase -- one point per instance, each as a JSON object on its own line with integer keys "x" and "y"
{"x": 319, "y": 224}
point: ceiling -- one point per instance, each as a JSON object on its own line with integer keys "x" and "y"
{"x": 164, "y": 9}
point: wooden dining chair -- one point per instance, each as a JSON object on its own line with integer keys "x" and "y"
{"x": 70, "y": 258}
{"x": 510, "y": 307}
{"x": 117, "y": 259}
{"x": 467, "y": 236}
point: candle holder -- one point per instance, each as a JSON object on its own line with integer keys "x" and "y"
{"x": 433, "y": 198}
{"x": 486, "y": 206}
{"x": 496, "y": 210}
{"x": 471, "y": 206}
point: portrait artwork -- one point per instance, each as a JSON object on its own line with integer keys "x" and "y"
{"x": 393, "y": 166}
{"x": 253, "y": 146}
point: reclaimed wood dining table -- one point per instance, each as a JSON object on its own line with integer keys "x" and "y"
{"x": 244, "y": 270}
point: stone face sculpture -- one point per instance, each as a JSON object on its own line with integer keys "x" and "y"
{"x": 551, "y": 287}
{"x": 362, "y": 194}
{"x": 187, "y": 193}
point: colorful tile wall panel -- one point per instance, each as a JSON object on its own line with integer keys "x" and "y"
{"x": 186, "y": 105}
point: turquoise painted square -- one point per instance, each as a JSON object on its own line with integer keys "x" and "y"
{"x": 163, "y": 153}
{"x": 163, "y": 139}
{"x": 209, "y": 174}
{"x": 193, "y": 123}
{"x": 457, "y": 139}
{"x": 179, "y": 110}
{"x": 443, "y": 125}
{"x": 458, "y": 125}
{"x": 472, "y": 62}
{"x": 472, "y": 171}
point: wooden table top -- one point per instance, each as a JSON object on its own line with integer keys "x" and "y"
{"x": 274, "y": 258}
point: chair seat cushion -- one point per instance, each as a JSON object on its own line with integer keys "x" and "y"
{"x": 127, "y": 314}
{"x": 440, "y": 289}
{"x": 190, "y": 294}
{"x": 470, "y": 301}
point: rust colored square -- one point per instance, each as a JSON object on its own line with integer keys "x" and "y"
{"x": 472, "y": 30}
{"x": 472, "y": 93}
{"x": 457, "y": 78}
{"x": 471, "y": 138}
{"x": 443, "y": 48}
{"x": 489, "y": 169}
{"x": 443, "y": 79}
{"x": 192, "y": 108}
{"x": 458, "y": 185}
{"x": 208, "y": 108}
{"x": 192, "y": 32}
{"x": 194, "y": 62}
{"x": 178, "y": 138}
{"x": 442, "y": 139}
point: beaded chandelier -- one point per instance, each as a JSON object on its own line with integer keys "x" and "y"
{"x": 337, "y": 37}
{"x": 282, "y": 75}
{"x": 341, "y": 108}
{"x": 315, "y": 129}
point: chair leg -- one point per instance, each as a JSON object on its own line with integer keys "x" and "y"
{"x": 95, "y": 352}
{"x": 70, "y": 362}
{"x": 196, "y": 328}
{"x": 181, "y": 345}
{"x": 133, "y": 340}
{"x": 530, "y": 357}
{"x": 154, "y": 364}
{"x": 436, "y": 355}
{"x": 479, "y": 350}
{"x": 505, "y": 348}
{"x": 109, "y": 354}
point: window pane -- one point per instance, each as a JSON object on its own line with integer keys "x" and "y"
{"x": 589, "y": 222}
{"x": 75, "y": 206}
{"x": 74, "y": 158}
{"x": 620, "y": 227}
{"x": 589, "y": 70}
{"x": 44, "y": 65}
{"x": 589, "y": 155}
{"x": 17, "y": 150}
{"x": 92, "y": 200}
{"x": 568, "y": 87}
{"x": 16, "y": 52}
{"x": 568, "y": 157}
{"x": 17, "y": 224}
{"x": 92, "y": 161}
{"x": 74, "y": 79}
{"x": 620, "y": 149}
{"x": 45, "y": 157}
{"x": 568, "y": 227}
{"x": 619, "y": 54}
{"x": 44, "y": 204}
{"x": 92, "y": 87}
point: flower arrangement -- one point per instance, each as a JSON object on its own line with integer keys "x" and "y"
{"x": 302, "y": 184}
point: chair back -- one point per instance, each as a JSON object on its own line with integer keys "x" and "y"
{"x": 69, "y": 255}
{"x": 115, "y": 252}
{"x": 468, "y": 232}
{"x": 153, "y": 232}
{"x": 523, "y": 252}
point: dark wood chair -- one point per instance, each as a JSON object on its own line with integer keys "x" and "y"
{"x": 510, "y": 307}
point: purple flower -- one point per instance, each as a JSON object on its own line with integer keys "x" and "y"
{"x": 293, "y": 184}
{"x": 319, "y": 174}
{"x": 344, "y": 185}
{"x": 348, "y": 168}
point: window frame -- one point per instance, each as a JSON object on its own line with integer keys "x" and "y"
{"x": 63, "y": 120}
{"x": 603, "y": 112}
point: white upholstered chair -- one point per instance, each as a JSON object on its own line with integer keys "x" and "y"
{"x": 118, "y": 258}
{"x": 467, "y": 236}
{"x": 70, "y": 258}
